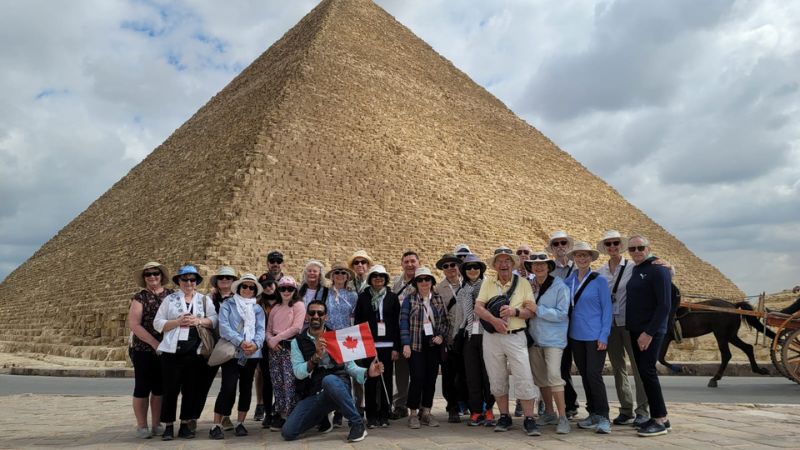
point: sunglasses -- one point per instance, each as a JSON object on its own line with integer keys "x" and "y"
{"x": 611, "y": 243}
{"x": 286, "y": 289}
{"x": 316, "y": 312}
{"x": 151, "y": 274}
{"x": 538, "y": 258}
{"x": 472, "y": 267}
{"x": 224, "y": 277}
{"x": 523, "y": 252}
{"x": 252, "y": 287}
{"x": 637, "y": 248}
{"x": 559, "y": 243}
{"x": 188, "y": 279}
{"x": 360, "y": 262}
{"x": 424, "y": 280}
{"x": 275, "y": 261}
{"x": 340, "y": 272}
{"x": 449, "y": 265}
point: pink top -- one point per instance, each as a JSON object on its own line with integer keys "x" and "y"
{"x": 286, "y": 322}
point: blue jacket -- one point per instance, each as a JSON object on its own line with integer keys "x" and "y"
{"x": 231, "y": 326}
{"x": 649, "y": 298}
{"x": 549, "y": 327}
{"x": 591, "y": 315}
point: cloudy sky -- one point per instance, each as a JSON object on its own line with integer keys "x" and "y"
{"x": 689, "y": 109}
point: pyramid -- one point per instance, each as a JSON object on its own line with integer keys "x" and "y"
{"x": 349, "y": 132}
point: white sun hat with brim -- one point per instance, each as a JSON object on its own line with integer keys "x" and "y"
{"x": 247, "y": 277}
{"x": 500, "y": 251}
{"x": 560, "y": 234}
{"x": 376, "y": 270}
{"x": 612, "y": 235}
{"x": 224, "y": 271}
{"x": 583, "y": 247}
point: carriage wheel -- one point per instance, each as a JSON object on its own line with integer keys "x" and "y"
{"x": 790, "y": 354}
{"x": 775, "y": 352}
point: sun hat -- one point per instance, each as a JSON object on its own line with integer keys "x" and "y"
{"x": 350, "y": 273}
{"x": 247, "y": 277}
{"x": 560, "y": 234}
{"x": 539, "y": 257}
{"x": 274, "y": 254}
{"x": 612, "y": 234}
{"x": 461, "y": 250}
{"x": 472, "y": 259}
{"x": 583, "y": 247}
{"x": 499, "y": 251}
{"x": 378, "y": 270}
{"x": 138, "y": 276}
{"x": 446, "y": 258}
{"x": 359, "y": 254}
{"x": 423, "y": 271}
{"x": 287, "y": 280}
{"x": 188, "y": 269}
{"x": 223, "y": 271}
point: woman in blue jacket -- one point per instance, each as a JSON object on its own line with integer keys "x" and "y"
{"x": 589, "y": 328}
{"x": 241, "y": 321}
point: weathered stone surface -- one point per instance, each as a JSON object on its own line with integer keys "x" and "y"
{"x": 349, "y": 132}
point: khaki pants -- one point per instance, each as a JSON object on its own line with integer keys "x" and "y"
{"x": 619, "y": 343}
{"x": 506, "y": 354}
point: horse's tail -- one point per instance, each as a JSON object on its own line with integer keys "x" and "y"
{"x": 753, "y": 322}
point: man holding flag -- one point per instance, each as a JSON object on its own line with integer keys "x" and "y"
{"x": 323, "y": 363}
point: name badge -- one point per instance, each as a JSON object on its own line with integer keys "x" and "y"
{"x": 183, "y": 334}
{"x": 381, "y": 329}
{"x": 476, "y": 327}
{"x": 428, "y": 327}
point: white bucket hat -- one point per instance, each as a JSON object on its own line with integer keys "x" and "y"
{"x": 378, "y": 269}
{"x": 461, "y": 250}
{"x": 504, "y": 251}
{"x": 560, "y": 234}
{"x": 583, "y": 247}
{"x": 248, "y": 277}
{"x": 224, "y": 271}
{"x": 612, "y": 235}
{"x": 423, "y": 271}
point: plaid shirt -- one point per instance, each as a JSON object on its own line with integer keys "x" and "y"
{"x": 412, "y": 318}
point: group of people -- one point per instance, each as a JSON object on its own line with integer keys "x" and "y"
{"x": 522, "y": 324}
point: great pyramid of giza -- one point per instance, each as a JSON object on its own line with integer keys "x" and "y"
{"x": 349, "y": 132}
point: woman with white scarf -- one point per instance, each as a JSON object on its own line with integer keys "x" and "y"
{"x": 241, "y": 321}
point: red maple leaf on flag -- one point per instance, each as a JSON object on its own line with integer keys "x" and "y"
{"x": 351, "y": 343}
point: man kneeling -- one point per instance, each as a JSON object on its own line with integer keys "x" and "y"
{"x": 323, "y": 385}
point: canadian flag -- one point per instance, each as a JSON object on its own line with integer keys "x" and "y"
{"x": 350, "y": 344}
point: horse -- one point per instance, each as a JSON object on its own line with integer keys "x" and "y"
{"x": 725, "y": 327}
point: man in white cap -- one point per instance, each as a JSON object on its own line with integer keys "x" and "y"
{"x": 559, "y": 244}
{"x": 505, "y": 346}
{"x": 403, "y": 286}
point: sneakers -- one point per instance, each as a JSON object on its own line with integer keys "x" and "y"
{"x": 337, "y": 419}
{"x": 640, "y": 420}
{"x": 603, "y": 425}
{"x": 572, "y": 412}
{"x": 169, "y": 433}
{"x": 399, "y": 413}
{"x": 277, "y": 423}
{"x": 158, "y": 430}
{"x": 326, "y": 425}
{"x": 192, "y": 425}
{"x": 372, "y": 423}
{"x": 530, "y": 427}
{"x": 143, "y": 433}
{"x": 227, "y": 425}
{"x": 357, "y": 432}
{"x": 518, "y": 411}
{"x": 185, "y": 432}
{"x": 241, "y": 430}
{"x": 413, "y": 422}
{"x": 547, "y": 419}
{"x": 623, "y": 419}
{"x": 652, "y": 428}
{"x": 384, "y": 423}
{"x": 260, "y": 413}
{"x": 216, "y": 433}
{"x": 452, "y": 417}
{"x": 563, "y": 426}
{"x": 589, "y": 423}
{"x": 503, "y": 423}
{"x": 427, "y": 418}
{"x": 488, "y": 418}
{"x": 475, "y": 420}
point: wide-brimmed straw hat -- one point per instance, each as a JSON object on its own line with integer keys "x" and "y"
{"x": 350, "y": 273}
{"x": 560, "y": 234}
{"x": 247, "y": 277}
{"x": 499, "y": 251}
{"x": 446, "y": 258}
{"x": 609, "y": 236}
{"x": 138, "y": 276}
{"x": 423, "y": 271}
{"x": 583, "y": 247}
{"x": 359, "y": 254}
{"x": 224, "y": 271}
{"x": 378, "y": 270}
{"x": 539, "y": 257}
{"x": 188, "y": 269}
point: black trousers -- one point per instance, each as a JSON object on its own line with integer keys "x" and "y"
{"x": 206, "y": 376}
{"x": 375, "y": 404}
{"x": 454, "y": 388}
{"x": 475, "y": 376}
{"x": 146, "y": 373}
{"x": 646, "y": 363}
{"x": 570, "y": 396}
{"x": 423, "y": 368}
{"x": 233, "y": 373}
{"x": 180, "y": 375}
{"x": 266, "y": 383}
{"x": 590, "y": 362}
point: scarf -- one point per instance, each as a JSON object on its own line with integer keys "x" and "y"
{"x": 377, "y": 297}
{"x": 244, "y": 306}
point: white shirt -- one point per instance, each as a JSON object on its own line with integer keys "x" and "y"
{"x": 172, "y": 307}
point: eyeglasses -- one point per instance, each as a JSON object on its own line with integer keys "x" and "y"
{"x": 523, "y": 252}
{"x": 472, "y": 267}
{"x": 424, "y": 280}
{"x": 502, "y": 251}
{"x": 340, "y": 272}
{"x": 559, "y": 243}
{"x": 316, "y": 312}
{"x": 275, "y": 261}
{"x": 449, "y": 265}
{"x": 151, "y": 274}
{"x": 188, "y": 279}
{"x": 252, "y": 287}
{"x": 360, "y": 262}
{"x": 637, "y": 248}
{"x": 224, "y": 277}
{"x": 286, "y": 289}
{"x": 538, "y": 258}
{"x": 611, "y": 243}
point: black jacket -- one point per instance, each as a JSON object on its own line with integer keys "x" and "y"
{"x": 649, "y": 298}
{"x": 391, "y": 316}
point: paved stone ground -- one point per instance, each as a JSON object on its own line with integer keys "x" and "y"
{"x": 54, "y": 421}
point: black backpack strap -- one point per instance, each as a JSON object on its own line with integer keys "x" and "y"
{"x": 513, "y": 287}
{"x": 616, "y": 284}
{"x": 591, "y": 277}
{"x": 543, "y": 288}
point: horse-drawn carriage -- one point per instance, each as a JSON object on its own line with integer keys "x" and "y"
{"x": 723, "y": 319}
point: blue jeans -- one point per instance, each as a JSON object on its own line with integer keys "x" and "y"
{"x": 309, "y": 412}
